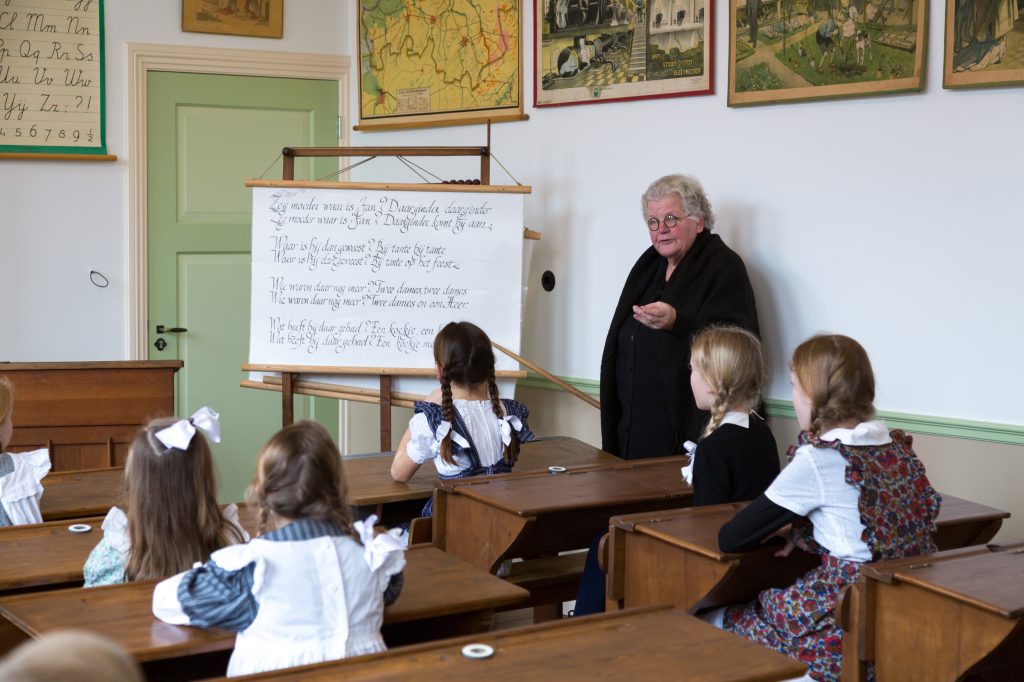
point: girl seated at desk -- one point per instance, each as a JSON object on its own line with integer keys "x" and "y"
{"x": 173, "y": 519}
{"x": 311, "y": 590}
{"x": 464, "y": 426}
{"x": 20, "y": 473}
{"x": 736, "y": 458}
{"x": 853, "y": 492}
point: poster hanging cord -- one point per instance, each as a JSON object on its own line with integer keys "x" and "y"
{"x": 347, "y": 168}
{"x": 413, "y": 166}
{"x": 270, "y": 166}
{"x": 505, "y": 169}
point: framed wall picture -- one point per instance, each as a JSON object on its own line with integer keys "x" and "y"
{"x": 984, "y": 43}
{"x": 255, "y": 18}
{"x": 439, "y": 62}
{"x": 793, "y": 50}
{"x": 589, "y": 51}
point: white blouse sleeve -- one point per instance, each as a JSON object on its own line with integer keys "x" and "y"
{"x": 166, "y": 606}
{"x": 231, "y": 515}
{"x": 422, "y": 442}
{"x": 799, "y": 486}
{"x": 115, "y": 530}
{"x": 21, "y": 489}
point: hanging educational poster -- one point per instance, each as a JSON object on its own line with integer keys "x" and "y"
{"x": 984, "y": 44}
{"x": 601, "y": 51}
{"x": 51, "y": 77}
{"x": 358, "y": 277}
{"x": 796, "y": 50}
{"x": 439, "y": 62}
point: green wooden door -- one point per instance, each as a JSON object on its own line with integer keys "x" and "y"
{"x": 206, "y": 136}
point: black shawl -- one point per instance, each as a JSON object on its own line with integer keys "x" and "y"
{"x": 711, "y": 286}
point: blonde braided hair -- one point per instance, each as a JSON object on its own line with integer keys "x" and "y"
{"x": 730, "y": 360}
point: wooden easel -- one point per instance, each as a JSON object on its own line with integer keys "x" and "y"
{"x": 289, "y": 383}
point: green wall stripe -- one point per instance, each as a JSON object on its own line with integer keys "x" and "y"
{"x": 1007, "y": 434}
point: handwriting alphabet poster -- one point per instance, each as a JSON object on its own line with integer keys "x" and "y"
{"x": 355, "y": 277}
{"x": 51, "y": 76}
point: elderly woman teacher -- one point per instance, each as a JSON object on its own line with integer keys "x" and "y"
{"x": 687, "y": 280}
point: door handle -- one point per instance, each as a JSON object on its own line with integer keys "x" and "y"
{"x": 160, "y": 329}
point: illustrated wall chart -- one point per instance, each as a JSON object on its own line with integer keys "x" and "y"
{"x": 606, "y": 50}
{"x": 358, "y": 277}
{"x": 791, "y": 50}
{"x": 51, "y": 76}
{"x": 439, "y": 61}
{"x": 984, "y": 43}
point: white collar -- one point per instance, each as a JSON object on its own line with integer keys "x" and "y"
{"x": 865, "y": 433}
{"x": 737, "y": 418}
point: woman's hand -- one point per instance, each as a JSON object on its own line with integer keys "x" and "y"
{"x": 786, "y": 533}
{"x": 657, "y": 315}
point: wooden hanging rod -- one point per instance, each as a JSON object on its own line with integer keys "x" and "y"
{"x": 384, "y": 151}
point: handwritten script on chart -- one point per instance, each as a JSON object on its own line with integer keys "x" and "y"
{"x": 51, "y": 64}
{"x": 356, "y": 277}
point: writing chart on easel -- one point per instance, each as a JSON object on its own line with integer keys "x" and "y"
{"x": 350, "y": 276}
{"x": 51, "y": 77}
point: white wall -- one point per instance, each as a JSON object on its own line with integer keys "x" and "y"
{"x": 892, "y": 219}
{"x": 62, "y": 219}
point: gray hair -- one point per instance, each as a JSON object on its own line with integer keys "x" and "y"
{"x": 690, "y": 193}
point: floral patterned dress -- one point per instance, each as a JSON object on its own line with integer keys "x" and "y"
{"x": 897, "y": 507}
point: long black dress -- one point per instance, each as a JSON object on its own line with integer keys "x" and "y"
{"x": 647, "y": 408}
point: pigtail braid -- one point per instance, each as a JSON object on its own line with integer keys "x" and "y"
{"x": 261, "y": 526}
{"x": 448, "y": 410}
{"x": 718, "y": 410}
{"x": 511, "y": 453}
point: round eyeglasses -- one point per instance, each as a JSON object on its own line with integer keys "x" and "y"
{"x": 670, "y": 221}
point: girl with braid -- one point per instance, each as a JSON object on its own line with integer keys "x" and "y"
{"x": 464, "y": 426}
{"x": 736, "y": 458}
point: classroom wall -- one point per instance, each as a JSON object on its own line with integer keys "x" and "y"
{"x": 893, "y": 219}
{"x": 61, "y": 219}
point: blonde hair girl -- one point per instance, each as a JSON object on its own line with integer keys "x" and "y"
{"x": 20, "y": 473}
{"x": 736, "y": 458}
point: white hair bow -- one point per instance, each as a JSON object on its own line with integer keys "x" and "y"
{"x": 179, "y": 434}
{"x": 375, "y": 547}
{"x": 442, "y": 430}
{"x": 509, "y": 422}
{"x": 687, "y": 471}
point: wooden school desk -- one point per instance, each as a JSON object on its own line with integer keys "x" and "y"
{"x": 957, "y": 614}
{"x": 370, "y": 483}
{"x": 649, "y": 644}
{"x": 87, "y": 413}
{"x": 49, "y": 556}
{"x": 486, "y": 520}
{"x": 442, "y": 596}
{"x": 643, "y": 549}
{"x": 73, "y": 494}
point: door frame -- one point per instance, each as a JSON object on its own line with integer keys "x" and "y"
{"x": 140, "y": 59}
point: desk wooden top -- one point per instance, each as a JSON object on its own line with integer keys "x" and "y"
{"x": 990, "y": 578}
{"x": 73, "y": 494}
{"x": 651, "y": 644}
{"x": 696, "y": 529}
{"x": 45, "y": 554}
{"x": 49, "y": 554}
{"x": 609, "y": 485}
{"x": 369, "y": 476}
{"x": 436, "y": 584}
{"x": 94, "y": 364}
